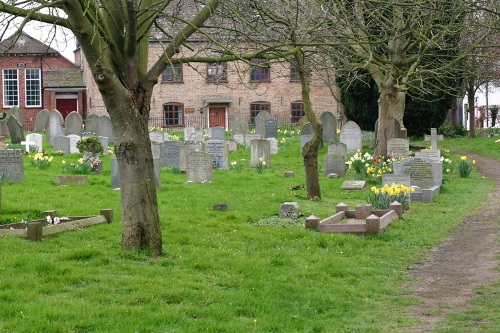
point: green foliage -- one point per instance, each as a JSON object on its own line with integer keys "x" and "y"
{"x": 465, "y": 167}
{"x": 79, "y": 167}
{"x": 91, "y": 144}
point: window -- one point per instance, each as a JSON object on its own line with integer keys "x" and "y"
{"x": 261, "y": 72}
{"x": 10, "y": 87}
{"x": 33, "y": 87}
{"x": 173, "y": 114}
{"x": 297, "y": 111}
{"x": 217, "y": 72}
{"x": 256, "y": 107}
{"x": 294, "y": 74}
{"x": 172, "y": 73}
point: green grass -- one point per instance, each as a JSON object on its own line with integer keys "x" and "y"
{"x": 234, "y": 271}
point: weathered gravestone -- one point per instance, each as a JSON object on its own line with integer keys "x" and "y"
{"x": 34, "y": 140}
{"x": 187, "y": 148}
{"x": 218, "y": 150}
{"x": 11, "y": 164}
{"x": 156, "y": 149}
{"x": 397, "y": 148}
{"x": 218, "y": 133}
{"x": 271, "y": 129}
{"x": 273, "y": 142}
{"x": 424, "y": 173}
{"x": 260, "y": 152}
{"x": 105, "y": 128}
{"x": 329, "y": 126}
{"x": 335, "y": 160}
{"x": 73, "y": 139}
{"x": 17, "y": 113}
{"x": 156, "y": 136}
{"x": 4, "y": 129}
{"x": 104, "y": 143}
{"x": 302, "y": 122}
{"x": 199, "y": 167}
{"x": 396, "y": 178}
{"x": 41, "y": 120}
{"x": 433, "y": 154}
{"x": 188, "y": 132}
{"x": 239, "y": 138}
{"x": 91, "y": 124}
{"x": 15, "y": 130}
{"x": 54, "y": 126}
{"x": 305, "y": 138}
{"x": 250, "y": 137}
{"x": 433, "y": 138}
{"x": 62, "y": 143}
{"x": 232, "y": 146}
{"x": 354, "y": 185}
{"x": 350, "y": 135}
{"x": 260, "y": 122}
{"x": 73, "y": 124}
{"x": 239, "y": 125}
{"x": 307, "y": 129}
{"x": 169, "y": 154}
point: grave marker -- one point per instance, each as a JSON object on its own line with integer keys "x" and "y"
{"x": 34, "y": 139}
{"x": 11, "y": 164}
{"x": 169, "y": 153}
{"x": 218, "y": 133}
{"x": 54, "y": 126}
{"x": 350, "y": 135}
{"x": 271, "y": 129}
{"x": 260, "y": 149}
{"x": 73, "y": 139}
{"x": 41, "y": 120}
{"x": 91, "y": 124}
{"x": 15, "y": 130}
{"x": 424, "y": 173}
{"x": 105, "y": 128}
{"x": 397, "y": 148}
{"x": 73, "y": 124}
{"x": 62, "y": 143}
{"x": 334, "y": 161}
{"x": 239, "y": 125}
{"x": 218, "y": 150}
{"x": 433, "y": 138}
{"x": 260, "y": 122}
{"x": 199, "y": 167}
{"x": 329, "y": 127}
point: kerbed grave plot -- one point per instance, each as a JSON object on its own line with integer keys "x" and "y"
{"x": 53, "y": 224}
{"x": 361, "y": 221}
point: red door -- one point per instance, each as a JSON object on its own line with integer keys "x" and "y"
{"x": 217, "y": 116}
{"x": 65, "y": 106}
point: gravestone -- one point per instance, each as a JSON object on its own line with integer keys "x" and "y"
{"x": 260, "y": 122}
{"x": 396, "y": 178}
{"x": 185, "y": 149}
{"x": 433, "y": 154}
{"x": 239, "y": 138}
{"x": 271, "y": 129}
{"x": 260, "y": 149}
{"x": 11, "y": 164}
{"x": 273, "y": 145}
{"x": 17, "y": 113}
{"x": 305, "y": 138}
{"x": 104, "y": 143}
{"x": 73, "y": 139}
{"x": 41, "y": 120}
{"x": 307, "y": 129}
{"x": 329, "y": 126}
{"x": 218, "y": 133}
{"x": 397, "y": 148}
{"x": 156, "y": 136}
{"x": 302, "y": 122}
{"x": 354, "y": 185}
{"x": 15, "y": 130}
{"x": 34, "y": 139}
{"x": 4, "y": 129}
{"x": 188, "y": 131}
{"x": 424, "y": 173}
{"x": 115, "y": 175}
{"x": 73, "y": 124}
{"x": 105, "y": 128}
{"x": 62, "y": 143}
{"x": 169, "y": 153}
{"x": 433, "y": 138}
{"x": 368, "y": 135}
{"x": 156, "y": 149}
{"x": 199, "y": 167}
{"x": 232, "y": 146}
{"x": 54, "y": 126}
{"x": 91, "y": 124}
{"x": 239, "y": 125}
{"x": 198, "y": 136}
{"x": 334, "y": 161}
{"x": 350, "y": 135}
{"x": 218, "y": 150}
{"x": 250, "y": 137}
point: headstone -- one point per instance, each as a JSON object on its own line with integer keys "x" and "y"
{"x": 104, "y": 143}
{"x": 423, "y": 172}
{"x": 17, "y": 113}
{"x": 239, "y": 138}
{"x": 433, "y": 154}
{"x": 302, "y": 122}
{"x": 73, "y": 124}
{"x": 232, "y": 146}
{"x": 169, "y": 153}
{"x": 368, "y": 135}
{"x": 433, "y": 138}
{"x": 198, "y": 136}
{"x": 239, "y": 125}
{"x": 11, "y": 164}
{"x": 34, "y": 139}
{"x": 157, "y": 172}
{"x": 260, "y": 122}
{"x": 41, "y": 120}
{"x": 218, "y": 150}
{"x": 398, "y": 148}
{"x": 156, "y": 136}
{"x": 185, "y": 149}
{"x": 273, "y": 145}
{"x": 188, "y": 131}
{"x": 156, "y": 149}
{"x": 307, "y": 129}
{"x": 260, "y": 149}
{"x": 4, "y": 129}
{"x": 271, "y": 129}
{"x": 73, "y": 139}
{"x": 290, "y": 209}
{"x": 218, "y": 133}
{"x": 91, "y": 124}
{"x": 305, "y": 138}
{"x": 105, "y": 128}
{"x": 199, "y": 167}
{"x": 15, "y": 130}
{"x": 350, "y": 135}
{"x": 335, "y": 160}
{"x": 329, "y": 127}
{"x": 62, "y": 143}
{"x": 115, "y": 175}
{"x": 250, "y": 137}
{"x": 396, "y": 178}
{"x": 354, "y": 185}
{"x": 54, "y": 126}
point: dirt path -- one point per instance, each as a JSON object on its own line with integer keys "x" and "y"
{"x": 464, "y": 261}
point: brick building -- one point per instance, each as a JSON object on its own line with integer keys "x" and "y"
{"x": 205, "y": 95}
{"x": 36, "y": 77}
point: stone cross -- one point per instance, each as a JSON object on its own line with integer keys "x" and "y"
{"x": 434, "y": 138}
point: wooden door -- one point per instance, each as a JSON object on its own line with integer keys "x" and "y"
{"x": 217, "y": 116}
{"x": 65, "y": 106}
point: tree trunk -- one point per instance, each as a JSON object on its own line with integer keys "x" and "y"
{"x": 472, "y": 119}
{"x": 140, "y": 218}
{"x": 387, "y": 105}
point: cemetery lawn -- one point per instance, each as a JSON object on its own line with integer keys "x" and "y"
{"x": 243, "y": 270}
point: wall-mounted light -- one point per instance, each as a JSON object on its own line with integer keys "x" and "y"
{"x": 201, "y": 110}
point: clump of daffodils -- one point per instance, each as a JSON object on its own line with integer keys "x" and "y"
{"x": 360, "y": 162}
{"x": 465, "y": 166}
{"x": 41, "y": 161}
{"x": 382, "y": 197}
{"x": 261, "y": 165}
{"x": 81, "y": 167}
{"x": 446, "y": 162}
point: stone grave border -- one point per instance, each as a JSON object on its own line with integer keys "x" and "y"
{"x": 38, "y": 229}
{"x": 425, "y": 194}
{"x": 372, "y": 222}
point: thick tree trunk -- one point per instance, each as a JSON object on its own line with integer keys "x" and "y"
{"x": 472, "y": 114}
{"x": 387, "y": 104}
{"x": 140, "y": 218}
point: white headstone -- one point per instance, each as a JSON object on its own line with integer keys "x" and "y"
{"x": 351, "y": 136}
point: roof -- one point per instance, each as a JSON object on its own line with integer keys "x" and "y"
{"x": 62, "y": 78}
{"x": 24, "y": 44}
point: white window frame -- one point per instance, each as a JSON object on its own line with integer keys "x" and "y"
{"x": 27, "y": 91}
{"x": 7, "y": 94}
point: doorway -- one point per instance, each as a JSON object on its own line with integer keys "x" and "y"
{"x": 217, "y": 116}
